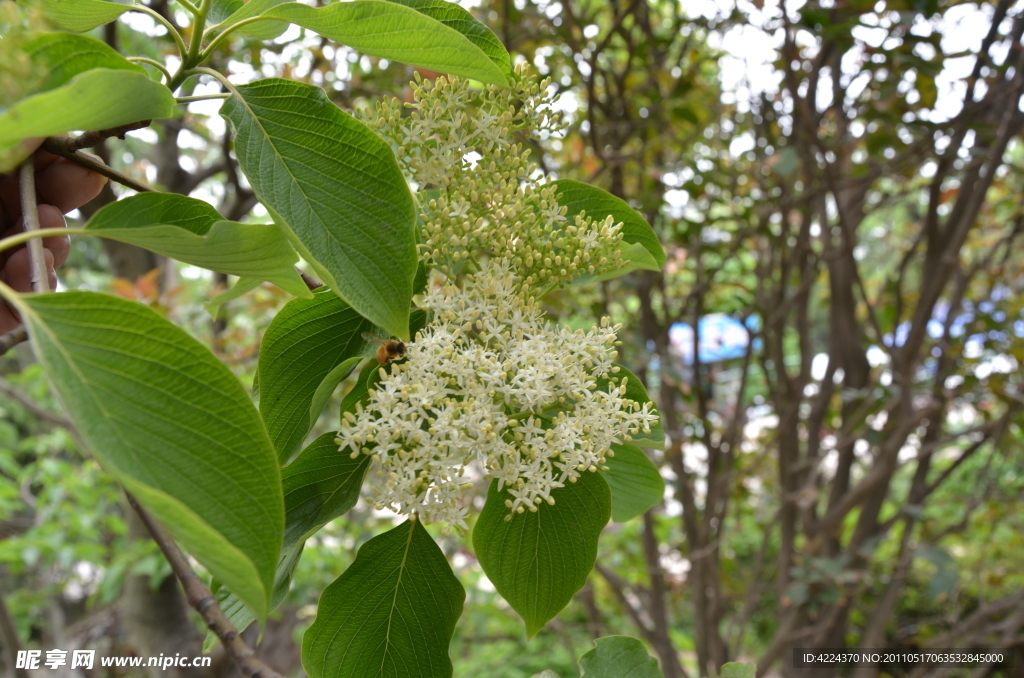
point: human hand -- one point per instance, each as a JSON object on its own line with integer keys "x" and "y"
{"x": 61, "y": 186}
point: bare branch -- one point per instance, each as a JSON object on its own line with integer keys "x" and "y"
{"x": 203, "y": 601}
{"x": 97, "y": 166}
{"x": 90, "y": 139}
{"x": 18, "y": 335}
{"x": 38, "y": 412}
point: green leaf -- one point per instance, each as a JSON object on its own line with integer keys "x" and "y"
{"x": 454, "y": 16}
{"x": 172, "y": 424}
{"x": 320, "y": 485}
{"x": 409, "y": 34}
{"x": 337, "y": 187}
{"x": 304, "y": 343}
{"x": 538, "y": 560}
{"x": 65, "y": 55}
{"x": 634, "y": 481}
{"x": 192, "y": 231}
{"x": 96, "y": 99}
{"x": 578, "y": 197}
{"x": 80, "y": 16}
{"x": 390, "y": 615}
{"x": 739, "y": 670}
{"x": 242, "y": 286}
{"x": 619, "y": 657}
{"x": 327, "y": 387}
{"x": 635, "y": 391}
{"x": 221, "y": 10}
{"x": 233, "y": 11}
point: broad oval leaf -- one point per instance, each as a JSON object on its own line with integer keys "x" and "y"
{"x": 619, "y": 657}
{"x": 80, "y": 16}
{"x": 172, "y": 424}
{"x": 96, "y": 99}
{"x": 304, "y": 343}
{"x": 337, "y": 187}
{"x": 634, "y": 481}
{"x": 390, "y": 615}
{"x": 421, "y": 34}
{"x": 538, "y": 560}
{"x": 192, "y": 231}
{"x": 646, "y": 251}
{"x": 320, "y": 485}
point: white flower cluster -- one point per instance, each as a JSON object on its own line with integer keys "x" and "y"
{"x": 489, "y": 385}
{"x": 486, "y": 195}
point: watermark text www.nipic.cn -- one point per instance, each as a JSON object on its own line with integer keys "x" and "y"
{"x": 85, "y": 659}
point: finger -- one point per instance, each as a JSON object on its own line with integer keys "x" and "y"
{"x": 18, "y": 270}
{"x": 58, "y": 245}
{"x": 67, "y": 185}
{"x": 9, "y": 320}
{"x": 9, "y": 316}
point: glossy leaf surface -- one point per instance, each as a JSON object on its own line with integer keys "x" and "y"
{"x": 539, "y": 560}
{"x": 320, "y": 485}
{"x": 304, "y": 343}
{"x": 390, "y": 615}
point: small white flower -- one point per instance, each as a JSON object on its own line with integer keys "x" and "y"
{"x": 503, "y": 394}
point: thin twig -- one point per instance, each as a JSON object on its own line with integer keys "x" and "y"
{"x": 30, "y": 221}
{"x": 97, "y": 166}
{"x": 203, "y": 601}
{"x": 16, "y": 336}
{"x": 38, "y": 412}
{"x": 90, "y": 139}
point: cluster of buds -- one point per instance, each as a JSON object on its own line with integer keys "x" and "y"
{"x": 481, "y": 196}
